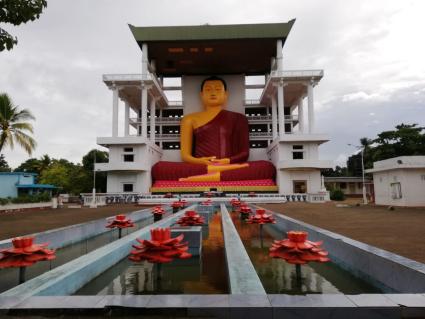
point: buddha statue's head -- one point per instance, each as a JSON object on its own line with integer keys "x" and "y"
{"x": 213, "y": 92}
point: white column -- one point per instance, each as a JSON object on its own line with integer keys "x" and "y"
{"x": 279, "y": 56}
{"x": 301, "y": 115}
{"x": 144, "y": 108}
{"x": 310, "y": 108}
{"x": 126, "y": 119}
{"x": 145, "y": 60}
{"x": 274, "y": 117}
{"x": 152, "y": 111}
{"x": 280, "y": 108}
{"x": 114, "y": 111}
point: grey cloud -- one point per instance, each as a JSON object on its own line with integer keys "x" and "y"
{"x": 56, "y": 68}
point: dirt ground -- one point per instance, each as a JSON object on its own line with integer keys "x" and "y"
{"x": 401, "y": 231}
{"x": 34, "y": 221}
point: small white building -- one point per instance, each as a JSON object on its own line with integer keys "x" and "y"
{"x": 399, "y": 181}
{"x": 351, "y": 186}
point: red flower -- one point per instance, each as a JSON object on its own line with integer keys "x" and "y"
{"x": 261, "y": 218}
{"x": 296, "y": 249}
{"x": 25, "y": 253}
{"x": 191, "y": 218}
{"x": 161, "y": 248}
{"x": 120, "y": 221}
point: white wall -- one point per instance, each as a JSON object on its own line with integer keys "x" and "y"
{"x": 412, "y": 183}
{"x": 141, "y": 181}
{"x": 285, "y": 180}
{"x": 311, "y": 150}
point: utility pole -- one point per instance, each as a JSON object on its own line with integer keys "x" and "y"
{"x": 363, "y": 178}
{"x": 93, "y": 201}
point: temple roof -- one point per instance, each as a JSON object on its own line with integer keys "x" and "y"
{"x": 212, "y": 49}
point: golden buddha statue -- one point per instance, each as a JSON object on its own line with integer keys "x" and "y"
{"x": 214, "y": 143}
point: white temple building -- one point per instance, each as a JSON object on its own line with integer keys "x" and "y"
{"x": 281, "y": 120}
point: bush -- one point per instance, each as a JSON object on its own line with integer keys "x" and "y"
{"x": 38, "y": 198}
{"x": 4, "y": 201}
{"x": 337, "y": 194}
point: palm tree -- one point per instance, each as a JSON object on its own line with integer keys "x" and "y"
{"x": 13, "y": 125}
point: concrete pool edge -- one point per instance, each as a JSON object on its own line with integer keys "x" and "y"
{"x": 226, "y": 306}
{"x": 242, "y": 276}
{"x": 68, "y": 235}
{"x": 382, "y": 268}
{"x": 69, "y": 277}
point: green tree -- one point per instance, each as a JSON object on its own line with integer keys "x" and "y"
{"x": 4, "y": 166}
{"x": 88, "y": 164}
{"x": 14, "y": 127}
{"x": 70, "y": 178}
{"x": 16, "y": 12}
{"x": 31, "y": 165}
{"x": 56, "y": 174}
{"x": 405, "y": 140}
{"x": 337, "y": 172}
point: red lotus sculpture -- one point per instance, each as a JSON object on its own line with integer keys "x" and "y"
{"x": 296, "y": 249}
{"x": 177, "y": 206}
{"x": 157, "y": 212}
{"x": 161, "y": 248}
{"x": 261, "y": 218}
{"x": 25, "y": 253}
{"x": 168, "y": 195}
{"x": 120, "y": 222}
{"x": 208, "y": 202}
{"x": 245, "y": 210}
{"x": 235, "y": 202}
{"x": 191, "y": 218}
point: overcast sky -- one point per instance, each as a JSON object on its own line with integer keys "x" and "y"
{"x": 372, "y": 52}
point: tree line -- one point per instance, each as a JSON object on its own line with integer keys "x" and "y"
{"x": 68, "y": 177}
{"x": 404, "y": 140}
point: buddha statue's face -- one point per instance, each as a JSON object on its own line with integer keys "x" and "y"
{"x": 213, "y": 93}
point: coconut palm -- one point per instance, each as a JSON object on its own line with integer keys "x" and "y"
{"x": 14, "y": 127}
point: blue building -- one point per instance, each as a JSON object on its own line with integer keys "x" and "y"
{"x": 13, "y": 184}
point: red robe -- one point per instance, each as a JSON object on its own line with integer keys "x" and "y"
{"x": 225, "y": 136}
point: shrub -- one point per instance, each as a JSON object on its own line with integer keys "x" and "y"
{"x": 337, "y": 194}
{"x": 38, "y": 198}
{"x": 4, "y": 201}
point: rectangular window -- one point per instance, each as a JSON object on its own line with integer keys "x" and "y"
{"x": 297, "y": 155}
{"x": 128, "y": 149}
{"x": 128, "y": 157}
{"x": 298, "y": 152}
{"x": 343, "y": 185}
{"x": 127, "y": 188}
{"x": 396, "y": 190}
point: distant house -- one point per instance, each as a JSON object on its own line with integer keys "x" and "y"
{"x": 399, "y": 181}
{"x": 13, "y": 184}
{"x": 350, "y": 186}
